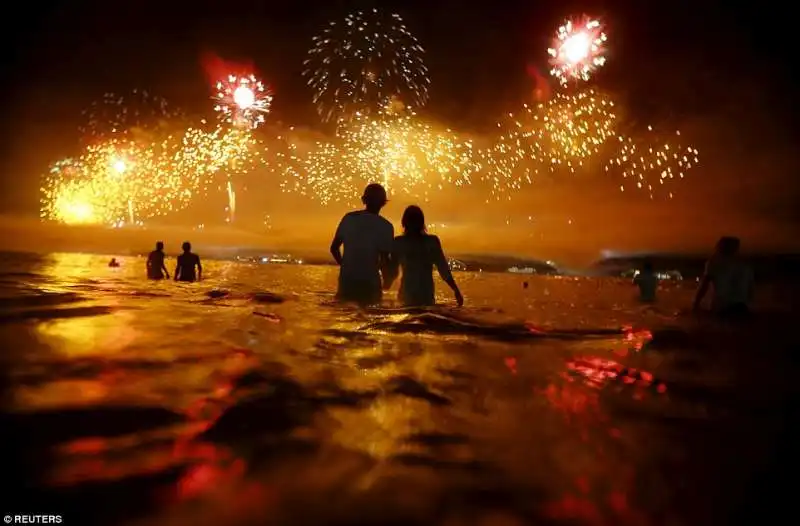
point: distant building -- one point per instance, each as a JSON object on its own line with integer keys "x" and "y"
{"x": 660, "y": 274}
{"x": 272, "y": 259}
{"x": 455, "y": 264}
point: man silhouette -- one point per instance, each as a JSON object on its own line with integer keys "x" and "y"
{"x": 367, "y": 238}
{"x": 156, "y": 269}
{"x": 732, "y": 279}
{"x": 187, "y": 262}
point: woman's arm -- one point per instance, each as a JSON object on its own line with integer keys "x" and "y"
{"x": 391, "y": 265}
{"x": 444, "y": 269}
{"x": 705, "y": 282}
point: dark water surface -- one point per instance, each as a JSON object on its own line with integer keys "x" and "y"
{"x": 250, "y": 398}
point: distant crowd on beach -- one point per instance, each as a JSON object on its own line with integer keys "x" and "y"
{"x": 373, "y": 258}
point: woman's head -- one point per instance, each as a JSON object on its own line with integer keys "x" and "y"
{"x": 413, "y": 221}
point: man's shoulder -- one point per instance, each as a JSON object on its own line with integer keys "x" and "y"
{"x": 368, "y": 217}
{"x": 350, "y": 216}
{"x": 386, "y": 223}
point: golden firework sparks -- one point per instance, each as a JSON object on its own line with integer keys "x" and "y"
{"x": 394, "y": 148}
{"x": 120, "y": 115}
{"x": 122, "y": 182}
{"x": 557, "y": 135}
{"x": 652, "y": 162}
{"x": 356, "y": 64}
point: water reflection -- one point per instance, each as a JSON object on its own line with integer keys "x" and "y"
{"x": 247, "y": 398}
{"x": 78, "y": 337}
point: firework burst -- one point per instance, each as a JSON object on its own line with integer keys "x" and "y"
{"x": 123, "y": 116}
{"x": 396, "y": 149}
{"x": 243, "y": 101}
{"x": 559, "y": 135}
{"x": 357, "y": 64}
{"x": 578, "y": 50}
{"x": 652, "y": 163}
{"x": 121, "y": 182}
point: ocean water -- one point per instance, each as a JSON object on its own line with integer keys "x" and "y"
{"x": 251, "y": 398}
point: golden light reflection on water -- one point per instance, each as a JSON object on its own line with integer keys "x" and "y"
{"x": 380, "y": 430}
{"x": 424, "y": 411}
{"x": 67, "y": 267}
{"x": 64, "y": 393}
{"x": 80, "y": 337}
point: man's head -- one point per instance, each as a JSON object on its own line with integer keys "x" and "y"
{"x": 160, "y": 245}
{"x": 728, "y": 246}
{"x": 374, "y": 197}
{"x": 187, "y": 247}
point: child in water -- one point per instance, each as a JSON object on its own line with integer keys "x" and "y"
{"x": 416, "y": 253}
{"x": 647, "y": 281}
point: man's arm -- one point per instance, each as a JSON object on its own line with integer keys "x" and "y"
{"x": 199, "y": 270}
{"x": 336, "y": 249}
{"x": 390, "y": 268}
{"x": 336, "y": 244}
{"x": 178, "y": 269}
{"x": 386, "y": 261}
{"x": 164, "y": 268}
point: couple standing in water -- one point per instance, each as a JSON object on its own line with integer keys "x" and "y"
{"x": 184, "y": 269}
{"x": 373, "y": 257}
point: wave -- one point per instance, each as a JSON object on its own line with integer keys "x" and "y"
{"x": 428, "y": 321}
{"x": 52, "y": 314}
{"x": 41, "y": 300}
{"x": 17, "y": 275}
{"x": 258, "y": 297}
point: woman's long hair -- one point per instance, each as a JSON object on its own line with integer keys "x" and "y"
{"x": 413, "y": 221}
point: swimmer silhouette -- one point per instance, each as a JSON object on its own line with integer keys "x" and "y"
{"x": 156, "y": 268}
{"x": 113, "y": 263}
{"x": 732, "y": 279}
{"x": 185, "y": 269}
{"x": 367, "y": 239}
{"x": 416, "y": 252}
{"x": 647, "y": 281}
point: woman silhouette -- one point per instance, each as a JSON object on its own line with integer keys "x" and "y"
{"x": 416, "y": 253}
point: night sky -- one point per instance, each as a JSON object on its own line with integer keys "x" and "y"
{"x": 723, "y": 72}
